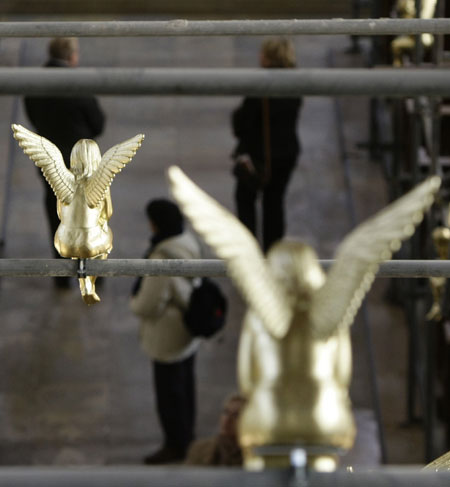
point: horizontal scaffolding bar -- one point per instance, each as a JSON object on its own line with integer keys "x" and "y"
{"x": 365, "y": 27}
{"x": 219, "y": 477}
{"x": 190, "y": 268}
{"x": 216, "y": 82}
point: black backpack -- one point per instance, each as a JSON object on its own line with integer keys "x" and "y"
{"x": 206, "y": 311}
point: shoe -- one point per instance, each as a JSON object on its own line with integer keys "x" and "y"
{"x": 90, "y": 299}
{"x": 87, "y": 288}
{"x": 166, "y": 454}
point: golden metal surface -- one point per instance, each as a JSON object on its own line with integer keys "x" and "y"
{"x": 406, "y": 9}
{"x": 441, "y": 464}
{"x": 294, "y": 358}
{"x": 84, "y": 204}
{"x": 441, "y": 240}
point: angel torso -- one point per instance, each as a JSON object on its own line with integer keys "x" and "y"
{"x": 296, "y": 387}
{"x": 83, "y": 231}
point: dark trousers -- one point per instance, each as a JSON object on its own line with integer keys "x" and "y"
{"x": 52, "y": 216}
{"x": 273, "y": 193}
{"x": 53, "y": 222}
{"x": 175, "y": 401}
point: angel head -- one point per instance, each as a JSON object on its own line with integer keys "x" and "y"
{"x": 85, "y": 158}
{"x": 297, "y": 269}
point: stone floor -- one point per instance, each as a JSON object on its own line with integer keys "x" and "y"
{"x": 75, "y": 387}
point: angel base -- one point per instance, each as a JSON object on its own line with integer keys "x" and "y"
{"x": 87, "y": 288}
{"x": 318, "y": 458}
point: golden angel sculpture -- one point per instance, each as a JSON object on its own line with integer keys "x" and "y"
{"x": 294, "y": 358}
{"x": 441, "y": 464}
{"x": 441, "y": 240}
{"x": 405, "y": 43}
{"x": 83, "y": 195}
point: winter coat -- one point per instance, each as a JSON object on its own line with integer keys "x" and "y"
{"x": 248, "y": 126}
{"x": 65, "y": 120}
{"x": 161, "y": 301}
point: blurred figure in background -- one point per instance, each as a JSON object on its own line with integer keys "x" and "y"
{"x": 267, "y": 148}
{"x": 222, "y": 449}
{"x": 160, "y": 303}
{"x": 64, "y": 121}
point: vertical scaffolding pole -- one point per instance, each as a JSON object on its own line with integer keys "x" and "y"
{"x": 414, "y": 356}
{"x": 12, "y": 147}
{"x": 430, "y": 390}
{"x": 431, "y": 327}
{"x": 366, "y": 322}
{"x": 374, "y": 134}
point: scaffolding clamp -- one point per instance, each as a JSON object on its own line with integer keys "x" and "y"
{"x": 81, "y": 271}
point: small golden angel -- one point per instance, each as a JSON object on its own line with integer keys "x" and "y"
{"x": 83, "y": 195}
{"x": 294, "y": 358}
{"x": 406, "y": 9}
{"x": 441, "y": 240}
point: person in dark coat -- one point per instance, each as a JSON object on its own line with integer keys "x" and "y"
{"x": 64, "y": 121}
{"x": 267, "y": 149}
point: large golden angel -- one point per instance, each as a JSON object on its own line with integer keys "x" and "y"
{"x": 83, "y": 195}
{"x": 441, "y": 464}
{"x": 294, "y": 358}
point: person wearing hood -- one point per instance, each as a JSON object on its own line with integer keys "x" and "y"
{"x": 160, "y": 302}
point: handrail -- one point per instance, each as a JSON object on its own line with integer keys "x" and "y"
{"x": 224, "y": 81}
{"x": 188, "y": 267}
{"x": 164, "y": 476}
{"x": 182, "y": 27}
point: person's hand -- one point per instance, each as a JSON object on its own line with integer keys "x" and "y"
{"x": 246, "y": 161}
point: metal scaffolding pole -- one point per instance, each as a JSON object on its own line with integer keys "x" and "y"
{"x": 370, "y": 356}
{"x": 187, "y": 267}
{"x": 181, "y": 27}
{"x": 219, "y": 477}
{"x": 218, "y": 82}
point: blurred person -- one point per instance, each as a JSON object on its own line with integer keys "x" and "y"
{"x": 63, "y": 121}
{"x": 222, "y": 449}
{"x": 267, "y": 148}
{"x": 160, "y": 302}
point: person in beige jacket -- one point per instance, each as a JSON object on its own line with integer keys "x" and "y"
{"x": 160, "y": 302}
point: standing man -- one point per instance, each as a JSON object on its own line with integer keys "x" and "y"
{"x": 64, "y": 121}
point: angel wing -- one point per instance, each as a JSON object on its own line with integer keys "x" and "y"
{"x": 236, "y": 245}
{"x": 113, "y": 161}
{"x": 48, "y": 157}
{"x": 358, "y": 257}
{"x": 441, "y": 464}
